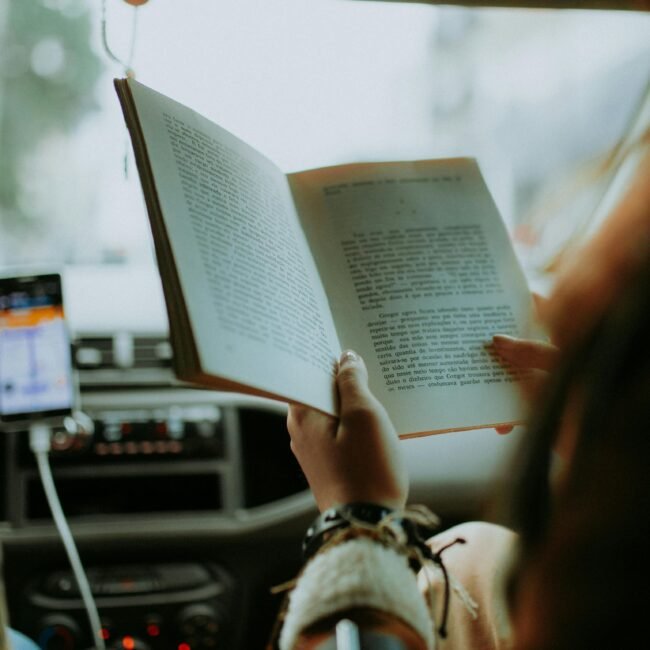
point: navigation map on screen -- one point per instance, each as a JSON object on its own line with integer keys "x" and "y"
{"x": 35, "y": 368}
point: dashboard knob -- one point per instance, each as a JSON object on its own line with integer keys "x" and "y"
{"x": 58, "y": 632}
{"x": 199, "y": 626}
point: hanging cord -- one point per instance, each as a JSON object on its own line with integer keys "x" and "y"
{"x": 128, "y": 64}
{"x": 407, "y": 529}
{"x": 436, "y": 558}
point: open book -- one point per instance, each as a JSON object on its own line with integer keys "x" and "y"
{"x": 268, "y": 277}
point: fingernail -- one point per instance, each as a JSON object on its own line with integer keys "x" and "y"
{"x": 503, "y": 340}
{"x": 349, "y": 356}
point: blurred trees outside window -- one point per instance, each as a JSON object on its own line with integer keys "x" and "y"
{"x": 541, "y": 98}
{"x": 48, "y": 75}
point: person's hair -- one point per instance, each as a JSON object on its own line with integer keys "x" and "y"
{"x": 581, "y": 576}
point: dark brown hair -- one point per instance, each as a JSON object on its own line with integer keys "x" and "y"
{"x": 582, "y": 575}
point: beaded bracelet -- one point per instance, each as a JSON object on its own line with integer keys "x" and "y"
{"x": 338, "y": 518}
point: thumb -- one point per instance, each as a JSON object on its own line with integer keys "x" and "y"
{"x": 352, "y": 382}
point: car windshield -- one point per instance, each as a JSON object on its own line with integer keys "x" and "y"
{"x": 541, "y": 98}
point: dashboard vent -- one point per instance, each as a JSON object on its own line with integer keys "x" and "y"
{"x": 94, "y": 352}
{"x": 122, "y": 351}
{"x": 123, "y": 359}
{"x": 151, "y": 352}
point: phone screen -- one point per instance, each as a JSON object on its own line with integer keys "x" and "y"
{"x": 36, "y": 378}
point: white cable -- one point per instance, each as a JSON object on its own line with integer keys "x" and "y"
{"x": 347, "y": 635}
{"x": 39, "y": 441}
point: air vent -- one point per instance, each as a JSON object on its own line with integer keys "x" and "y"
{"x": 92, "y": 352}
{"x": 123, "y": 359}
{"x": 101, "y": 353}
{"x": 151, "y": 352}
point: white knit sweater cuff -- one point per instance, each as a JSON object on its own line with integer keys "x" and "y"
{"x": 357, "y": 573}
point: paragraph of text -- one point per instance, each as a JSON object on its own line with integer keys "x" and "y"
{"x": 249, "y": 252}
{"x": 415, "y": 263}
{"x": 426, "y": 348}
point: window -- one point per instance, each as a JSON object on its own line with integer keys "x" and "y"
{"x": 539, "y": 97}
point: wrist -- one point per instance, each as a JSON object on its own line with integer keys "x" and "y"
{"x": 338, "y": 518}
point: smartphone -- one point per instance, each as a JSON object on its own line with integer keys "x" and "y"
{"x": 36, "y": 375}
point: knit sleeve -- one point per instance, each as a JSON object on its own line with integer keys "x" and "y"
{"x": 357, "y": 573}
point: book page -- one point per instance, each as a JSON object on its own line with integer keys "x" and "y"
{"x": 420, "y": 273}
{"x": 255, "y": 302}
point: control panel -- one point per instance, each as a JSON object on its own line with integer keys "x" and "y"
{"x": 182, "y": 606}
{"x": 143, "y": 432}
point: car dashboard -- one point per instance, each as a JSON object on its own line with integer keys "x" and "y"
{"x": 187, "y": 505}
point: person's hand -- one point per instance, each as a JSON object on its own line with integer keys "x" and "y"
{"x": 355, "y": 458}
{"x": 534, "y": 358}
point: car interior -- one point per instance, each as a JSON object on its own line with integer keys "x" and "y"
{"x": 187, "y": 505}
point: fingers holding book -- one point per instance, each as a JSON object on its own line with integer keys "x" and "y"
{"x": 355, "y": 458}
{"x": 533, "y": 358}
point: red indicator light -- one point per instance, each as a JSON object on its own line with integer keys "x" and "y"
{"x": 128, "y": 643}
{"x": 184, "y": 646}
{"x": 153, "y": 630}
{"x": 106, "y": 635}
